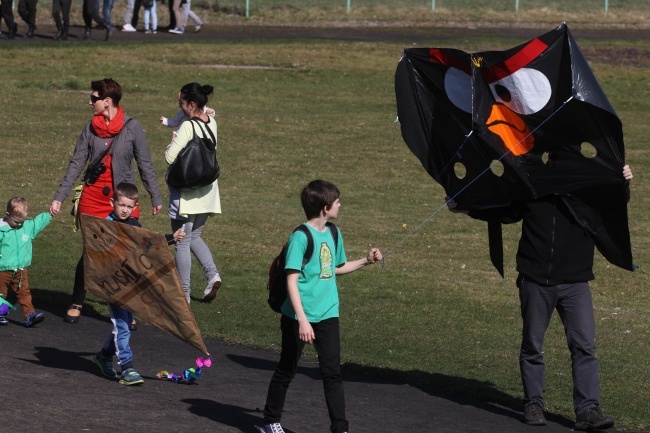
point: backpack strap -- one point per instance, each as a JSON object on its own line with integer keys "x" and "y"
{"x": 310, "y": 243}
{"x": 309, "y": 252}
{"x": 334, "y": 231}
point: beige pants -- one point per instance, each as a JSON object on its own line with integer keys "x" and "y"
{"x": 178, "y": 13}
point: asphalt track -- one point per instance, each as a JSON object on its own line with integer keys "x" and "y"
{"x": 52, "y": 385}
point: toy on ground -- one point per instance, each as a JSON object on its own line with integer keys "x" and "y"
{"x": 190, "y": 375}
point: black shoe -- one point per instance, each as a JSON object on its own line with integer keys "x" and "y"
{"x": 593, "y": 419}
{"x": 87, "y": 34}
{"x": 57, "y": 37}
{"x": 11, "y": 34}
{"x": 30, "y": 32}
{"x": 72, "y": 319}
{"x": 109, "y": 31}
{"x": 133, "y": 326}
{"x": 534, "y": 414}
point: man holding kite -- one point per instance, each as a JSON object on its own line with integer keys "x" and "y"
{"x": 527, "y": 134}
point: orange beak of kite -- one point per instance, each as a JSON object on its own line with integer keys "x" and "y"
{"x": 511, "y": 128}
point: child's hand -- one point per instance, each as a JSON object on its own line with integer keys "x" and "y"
{"x": 374, "y": 255}
{"x": 306, "y": 332}
{"x": 209, "y": 111}
{"x": 163, "y": 120}
{"x": 179, "y": 235}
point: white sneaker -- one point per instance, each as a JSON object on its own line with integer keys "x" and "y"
{"x": 211, "y": 290}
{"x": 176, "y": 31}
{"x": 128, "y": 28}
{"x": 198, "y": 28}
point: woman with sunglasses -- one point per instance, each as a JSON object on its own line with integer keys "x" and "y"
{"x": 107, "y": 147}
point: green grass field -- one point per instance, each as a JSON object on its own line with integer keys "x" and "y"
{"x": 436, "y": 313}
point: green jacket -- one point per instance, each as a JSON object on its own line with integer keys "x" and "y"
{"x": 16, "y": 244}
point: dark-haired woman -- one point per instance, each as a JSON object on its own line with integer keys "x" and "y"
{"x": 111, "y": 140}
{"x": 192, "y": 207}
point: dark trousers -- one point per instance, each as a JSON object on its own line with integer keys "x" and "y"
{"x": 79, "y": 289}
{"x": 61, "y": 8}
{"x": 136, "y": 13}
{"x": 27, "y": 11}
{"x": 574, "y": 305}
{"x": 7, "y": 14}
{"x": 91, "y": 13}
{"x": 328, "y": 348}
{"x": 172, "y": 17}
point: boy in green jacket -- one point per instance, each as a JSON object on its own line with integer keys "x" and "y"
{"x": 16, "y": 235}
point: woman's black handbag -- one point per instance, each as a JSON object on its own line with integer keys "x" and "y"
{"x": 196, "y": 164}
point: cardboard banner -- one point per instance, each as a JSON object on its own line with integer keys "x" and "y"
{"x": 133, "y": 267}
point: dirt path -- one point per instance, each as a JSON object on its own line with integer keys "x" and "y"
{"x": 46, "y": 33}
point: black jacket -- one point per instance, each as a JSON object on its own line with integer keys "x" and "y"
{"x": 553, "y": 248}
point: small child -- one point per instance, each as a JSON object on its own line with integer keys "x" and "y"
{"x": 125, "y": 199}
{"x": 150, "y": 12}
{"x": 180, "y": 117}
{"x": 311, "y": 312}
{"x": 16, "y": 236}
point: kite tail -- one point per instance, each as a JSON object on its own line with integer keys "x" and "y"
{"x": 188, "y": 376}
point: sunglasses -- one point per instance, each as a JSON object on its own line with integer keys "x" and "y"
{"x": 94, "y": 98}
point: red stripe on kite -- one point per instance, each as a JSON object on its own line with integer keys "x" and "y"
{"x": 529, "y": 53}
{"x": 441, "y": 56}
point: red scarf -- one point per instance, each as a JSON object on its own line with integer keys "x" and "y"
{"x": 104, "y": 130}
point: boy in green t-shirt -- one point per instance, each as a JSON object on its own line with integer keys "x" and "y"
{"x": 311, "y": 312}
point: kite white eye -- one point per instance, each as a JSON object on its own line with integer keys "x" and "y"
{"x": 458, "y": 86}
{"x": 525, "y": 92}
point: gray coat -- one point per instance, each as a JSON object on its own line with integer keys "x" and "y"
{"x": 129, "y": 144}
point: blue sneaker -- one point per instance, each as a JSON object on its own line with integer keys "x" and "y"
{"x": 3, "y": 320}
{"x": 105, "y": 365}
{"x": 33, "y": 318}
{"x": 272, "y": 428}
{"x": 131, "y": 377}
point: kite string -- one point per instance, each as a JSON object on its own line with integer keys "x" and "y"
{"x": 408, "y": 235}
{"x": 388, "y": 179}
{"x": 460, "y": 156}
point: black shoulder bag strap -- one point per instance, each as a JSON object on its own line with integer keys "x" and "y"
{"x": 205, "y": 134}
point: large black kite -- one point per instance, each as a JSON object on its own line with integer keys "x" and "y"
{"x": 502, "y": 126}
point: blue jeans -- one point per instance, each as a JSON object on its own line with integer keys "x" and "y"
{"x": 107, "y": 7}
{"x": 574, "y": 305}
{"x": 328, "y": 348}
{"x": 118, "y": 341}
